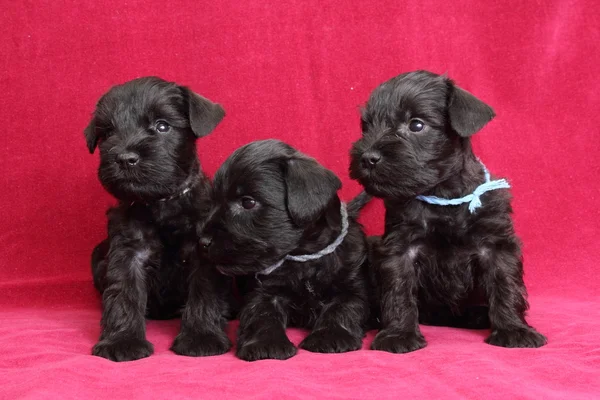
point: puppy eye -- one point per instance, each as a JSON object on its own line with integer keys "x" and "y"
{"x": 416, "y": 125}
{"x": 248, "y": 202}
{"x": 162, "y": 127}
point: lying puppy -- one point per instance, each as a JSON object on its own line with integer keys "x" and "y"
{"x": 146, "y": 131}
{"x": 449, "y": 254}
{"x": 277, "y": 216}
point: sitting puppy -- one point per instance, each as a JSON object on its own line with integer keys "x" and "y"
{"x": 146, "y": 131}
{"x": 440, "y": 261}
{"x": 276, "y": 215}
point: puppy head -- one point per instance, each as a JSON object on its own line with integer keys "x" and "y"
{"x": 266, "y": 196}
{"x": 145, "y": 130}
{"x": 415, "y": 128}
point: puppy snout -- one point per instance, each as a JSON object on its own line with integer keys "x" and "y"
{"x": 128, "y": 158}
{"x": 205, "y": 241}
{"x": 370, "y": 159}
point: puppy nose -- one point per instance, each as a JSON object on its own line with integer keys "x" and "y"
{"x": 128, "y": 158}
{"x": 205, "y": 241}
{"x": 370, "y": 159}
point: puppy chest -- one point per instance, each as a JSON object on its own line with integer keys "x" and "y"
{"x": 306, "y": 305}
{"x": 445, "y": 253}
{"x": 312, "y": 295}
{"x": 447, "y": 268}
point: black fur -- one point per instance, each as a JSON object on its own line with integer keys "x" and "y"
{"x": 146, "y": 131}
{"x": 435, "y": 264}
{"x": 295, "y": 211}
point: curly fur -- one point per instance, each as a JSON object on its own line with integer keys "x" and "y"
{"x": 296, "y": 211}
{"x": 150, "y": 261}
{"x": 434, "y": 264}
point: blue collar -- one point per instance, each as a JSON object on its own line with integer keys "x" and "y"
{"x": 474, "y": 199}
{"x": 309, "y": 257}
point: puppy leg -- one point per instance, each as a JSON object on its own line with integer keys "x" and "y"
{"x": 340, "y": 326}
{"x": 506, "y": 291}
{"x": 202, "y": 323}
{"x": 400, "y": 331}
{"x": 124, "y": 299}
{"x": 262, "y": 329}
{"x": 99, "y": 264}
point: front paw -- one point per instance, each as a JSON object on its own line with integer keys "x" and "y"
{"x": 516, "y": 337}
{"x": 268, "y": 348}
{"x": 331, "y": 340}
{"x": 201, "y": 344}
{"x": 123, "y": 349}
{"x": 398, "y": 342}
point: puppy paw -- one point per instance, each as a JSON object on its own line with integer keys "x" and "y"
{"x": 398, "y": 342}
{"x": 331, "y": 340}
{"x": 261, "y": 349}
{"x": 516, "y": 337}
{"x": 201, "y": 344}
{"x": 123, "y": 349}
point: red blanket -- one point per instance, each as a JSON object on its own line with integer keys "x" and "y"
{"x": 297, "y": 71}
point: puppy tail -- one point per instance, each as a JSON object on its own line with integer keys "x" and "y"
{"x": 357, "y": 203}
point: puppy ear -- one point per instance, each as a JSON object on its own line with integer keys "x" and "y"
{"x": 204, "y": 114}
{"x": 467, "y": 113}
{"x": 91, "y": 137}
{"x": 310, "y": 188}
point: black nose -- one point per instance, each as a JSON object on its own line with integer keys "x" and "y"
{"x": 370, "y": 159}
{"x": 128, "y": 158}
{"x": 205, "y": 241}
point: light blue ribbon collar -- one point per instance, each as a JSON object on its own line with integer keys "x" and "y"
{"x": 474, "y": 199}
{"x": 315, "y": 256}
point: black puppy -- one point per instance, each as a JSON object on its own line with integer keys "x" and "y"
{"x": 277, "y": 216}
{"x": 458, "y": 264}
{"x": 146, "y": 131}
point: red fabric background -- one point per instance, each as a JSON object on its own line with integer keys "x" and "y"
{"x": 297, "y": 71}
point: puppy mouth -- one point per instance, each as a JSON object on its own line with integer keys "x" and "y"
{"x": 119, "y": 180}
{"x": 232, "y": 255}
{"x": 138, "y": 186}
{"x": 127, "y": 190}
{"x": 376, "y": 184}
{"x": 368, "y": 178}
{"x": 373, "y": 188}
{"x": 122, "y": 189}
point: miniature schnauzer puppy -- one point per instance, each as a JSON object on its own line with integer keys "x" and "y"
{"x": 440, "y": 261}
{"x": 277, "y": 219}
{"x": 146, "y": 131}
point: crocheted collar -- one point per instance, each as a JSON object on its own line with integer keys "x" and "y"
{"x": 315, "y": 256}
{"x": 474, "y": 199}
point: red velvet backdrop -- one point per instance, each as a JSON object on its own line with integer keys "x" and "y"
{"x": 297, "y": 71}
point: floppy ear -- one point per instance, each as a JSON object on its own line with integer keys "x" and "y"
{"x": 467, "y": 113}
{"x": 310, "y": 188}
{"x": 91, "y": 137}
{"x": 204, "y": 114}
